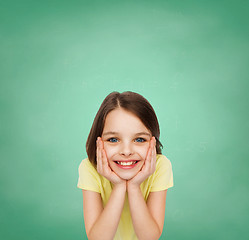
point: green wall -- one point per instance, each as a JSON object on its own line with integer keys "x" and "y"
{"x": 59, "y": 59}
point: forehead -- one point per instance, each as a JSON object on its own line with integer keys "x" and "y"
{"x": 122, "y": 120}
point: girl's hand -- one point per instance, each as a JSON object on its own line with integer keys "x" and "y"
{"x": 148, "y": 168}
{"x": 103, "y": 167}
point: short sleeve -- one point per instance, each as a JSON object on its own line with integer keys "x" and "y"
{"x": 88, "y": 177}
{"x": 163, "y": 175}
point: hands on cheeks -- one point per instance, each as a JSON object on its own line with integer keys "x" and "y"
{"x": 147, "y": 169}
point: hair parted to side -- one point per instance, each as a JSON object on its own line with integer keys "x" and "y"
{"x": 129, "y": 101}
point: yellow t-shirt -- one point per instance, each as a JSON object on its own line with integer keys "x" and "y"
{"x": 90, "y": 179}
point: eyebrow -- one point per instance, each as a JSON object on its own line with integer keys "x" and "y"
{"x": 116, "y": 133}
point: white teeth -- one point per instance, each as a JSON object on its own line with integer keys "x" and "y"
{"x": 126, "y": 163}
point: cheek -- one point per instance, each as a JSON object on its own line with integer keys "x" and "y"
{"x": 110, "y": 150}
{"x": 142, "y": 150}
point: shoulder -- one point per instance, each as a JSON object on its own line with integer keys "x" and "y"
{"x": 85, "y": 163}
{"x": 162, "y": 162}
{"x": 89, "y": 178}
{"x": 86, "y": 169}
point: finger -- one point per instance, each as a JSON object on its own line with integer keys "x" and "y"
{"x": 152, "y": 146}
{"x": 155, "y": 153}
{"x": 103, "y": 155}
{"x": 99, "y": 158}
{"x": 153, "y": 160}
{"x": 152, "y": 156}
{"x": 147, "y": 163}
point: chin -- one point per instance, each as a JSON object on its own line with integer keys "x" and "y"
{"x": 126, "y": 176}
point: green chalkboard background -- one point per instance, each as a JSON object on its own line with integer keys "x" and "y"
{"x": 59, "y": 59}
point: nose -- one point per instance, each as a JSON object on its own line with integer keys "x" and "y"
{"x": 126, "y": 149}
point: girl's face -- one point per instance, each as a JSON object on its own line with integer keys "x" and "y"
{"x": 126, "y": 142}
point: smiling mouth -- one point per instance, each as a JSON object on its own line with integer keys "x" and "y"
{"x": 126, "y": 163}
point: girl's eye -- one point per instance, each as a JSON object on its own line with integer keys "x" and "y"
{"x": 141, "y": 139}
{"x": 113, "y": 140}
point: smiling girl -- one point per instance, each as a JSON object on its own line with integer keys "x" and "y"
{"x": 125, "y": 178}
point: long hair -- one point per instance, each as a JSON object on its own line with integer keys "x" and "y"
{"x": 129, "y": 101}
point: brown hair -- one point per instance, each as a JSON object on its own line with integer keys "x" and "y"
{"x": 130, "y": 101}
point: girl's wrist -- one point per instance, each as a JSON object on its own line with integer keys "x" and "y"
{"x": 132, "y": 187}
{"x": 121, "y": 186}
